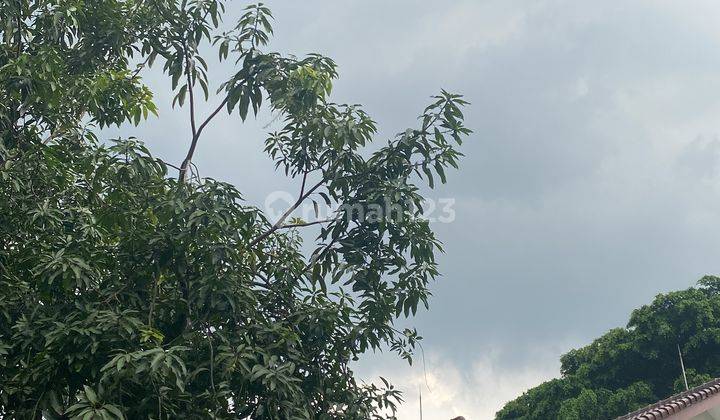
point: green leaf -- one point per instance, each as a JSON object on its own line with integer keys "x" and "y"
{"x": 114, "y": 410}
{"x": 90, "y": 394}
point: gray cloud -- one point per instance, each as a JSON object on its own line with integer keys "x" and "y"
{"x": 591, "y": 183}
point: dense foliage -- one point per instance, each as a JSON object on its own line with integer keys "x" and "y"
{"x": 130, "y": 291}
{"x": 628, "y": 368}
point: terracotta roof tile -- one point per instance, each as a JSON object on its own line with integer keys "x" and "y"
{"x": 676, "y": 403}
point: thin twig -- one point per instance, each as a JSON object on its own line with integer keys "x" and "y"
{"x": 193, "y": 143}
{"x": 302, "y": 187}
{"x": 285, "y": 215}
{"x": 303, "y": 224}
{"x": 141, "y": 66}
{"x": 212, "y": 369}
{"x": 167, "y": 163}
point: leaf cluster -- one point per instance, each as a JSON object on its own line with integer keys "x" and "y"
{"x": 128, "y": 292}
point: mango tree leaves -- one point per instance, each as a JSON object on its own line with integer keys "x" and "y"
{"x": 128, "y": 292}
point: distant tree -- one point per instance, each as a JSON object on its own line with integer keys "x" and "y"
{"x": 126, "y": 292}
{"x": 628, "y": 368}
{"x": 693, "y": 378}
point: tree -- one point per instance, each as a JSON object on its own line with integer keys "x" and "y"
{"x": 130, "y": 292}
{"x": 628, "y": 368}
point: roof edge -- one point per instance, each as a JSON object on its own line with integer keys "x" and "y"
{"x": 676, "y": 403}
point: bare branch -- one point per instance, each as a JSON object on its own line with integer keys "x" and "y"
{"x": 196, "y": 137}
{"x": 316, "y": 222}
{"x": 193, "y": 143}
{"x": 167, "y": 163}
{"x": 302, "y": 187}
{"x": 141, "y": 66}
{"x": 285, "y": 215}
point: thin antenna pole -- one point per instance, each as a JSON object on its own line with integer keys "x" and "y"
{"x": 420, "y": 389}
{"x": 682, "y": 365}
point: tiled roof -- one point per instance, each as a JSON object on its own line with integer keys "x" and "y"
{"x": 673, "y": 405}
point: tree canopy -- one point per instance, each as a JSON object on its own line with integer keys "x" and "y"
{"x": 628, "y": 368}
{"x": 132, "y": 288}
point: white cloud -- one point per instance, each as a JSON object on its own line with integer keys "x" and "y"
{"x": 451, "y": 389}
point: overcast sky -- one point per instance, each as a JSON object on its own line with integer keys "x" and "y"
{"x": 591, "y": 183}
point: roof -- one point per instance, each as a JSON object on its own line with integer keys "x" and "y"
{"x": 677, "y": 403}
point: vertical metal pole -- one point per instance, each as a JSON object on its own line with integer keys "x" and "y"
{"x": 682, "y": 365}
{"x": 420, "y": 390}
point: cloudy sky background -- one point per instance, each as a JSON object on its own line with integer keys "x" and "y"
{"x": 591, "y": 183}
